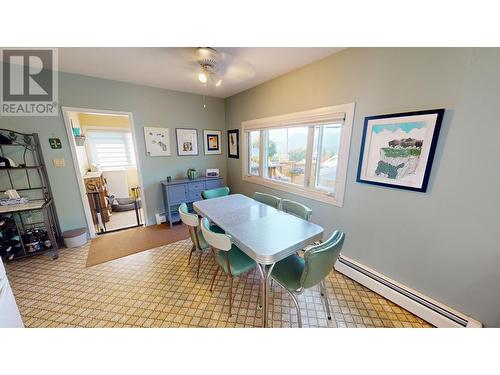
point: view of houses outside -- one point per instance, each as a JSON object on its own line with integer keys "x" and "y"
{"x": 286, "y": 155}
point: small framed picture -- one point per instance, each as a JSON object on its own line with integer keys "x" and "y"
{"x": 157, "y": 141}
{"x": 397, "y": 149}
{"x": 212, "y": 142}
{"x": 187, "y": 141}
{"x": 233, "y": 143}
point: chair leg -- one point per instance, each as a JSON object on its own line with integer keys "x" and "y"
{"x": 230, "y": 295}
{"x": 199, "y": 264}
{"x": 260, "y": 297}
{"x": 325, "y": 299}
{"x": 213, "y": 278}
{"x": 297, "y": 307}
{"x": 193, "y": 248}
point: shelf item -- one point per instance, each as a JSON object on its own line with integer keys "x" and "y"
{"x": 21, "y": 168}
{"x": 180, "y": 191}
{"x": 95, "y": 182}
{"x": 80, "y": 140}
{"x": 31, "y": 205}
{"x": 30, "y": 228}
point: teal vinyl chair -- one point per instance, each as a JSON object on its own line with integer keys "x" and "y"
{"x": 268, "y": 199}
{"x": 192, "y": 221}
{"x": 215, "y": 193}
{"x": 295, "y": 274}
{"x": 229, "y": 257}
{"x": 296, "y": 209}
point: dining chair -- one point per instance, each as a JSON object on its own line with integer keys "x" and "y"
{"x": 192, "y": 221}
{"x": 228, "y": 256}
{"x": 268, "y": 199}
{"x": 296, "y": 274}
{"x": 296, "y": 209}
{"x": 215, "y": 193}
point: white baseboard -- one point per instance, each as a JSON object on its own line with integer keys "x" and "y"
{"x": 431, "y": 311}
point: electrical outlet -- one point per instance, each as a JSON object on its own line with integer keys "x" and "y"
{"x": 58, "y": 163}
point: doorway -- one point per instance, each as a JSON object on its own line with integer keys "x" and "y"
{"x": 103, "y": 146}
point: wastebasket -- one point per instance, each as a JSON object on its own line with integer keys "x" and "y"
{"x": 75, "y": 237}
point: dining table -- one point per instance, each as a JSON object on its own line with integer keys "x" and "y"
{"x": 264, "y": 233}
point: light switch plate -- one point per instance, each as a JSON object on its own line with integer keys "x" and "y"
{"x": 58, "y": 163}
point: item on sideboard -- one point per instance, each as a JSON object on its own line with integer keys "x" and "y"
{"x": 192, "y": 174}
{"x": 212, "y": 172}
{"x": 169, "y": 178}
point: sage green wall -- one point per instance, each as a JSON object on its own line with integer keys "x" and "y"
{"x": 150, "y": 107}
{"x": 442, "y": 243}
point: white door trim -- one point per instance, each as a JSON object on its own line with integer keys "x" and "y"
{"x": 72, "y": 146}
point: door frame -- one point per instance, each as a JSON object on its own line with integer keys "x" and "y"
{"x": 79, "y": 177}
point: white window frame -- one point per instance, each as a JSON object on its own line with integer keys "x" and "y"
{"x": 108, "y": 129}
{"x": 320, "y": 116}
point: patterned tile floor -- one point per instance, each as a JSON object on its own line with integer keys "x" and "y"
{"x": 157, "y": 288}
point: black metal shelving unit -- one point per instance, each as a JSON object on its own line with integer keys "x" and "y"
{"x": 35, "y": 222}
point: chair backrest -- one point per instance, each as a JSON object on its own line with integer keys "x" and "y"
{"x": 296, "y": 209}
{"x": 268, "y": 199}
{"x": 217, "y": 240}
{"x": 186, "y": 217}
{"x": 320, "y": 259}
{"x": 215, "y": 193}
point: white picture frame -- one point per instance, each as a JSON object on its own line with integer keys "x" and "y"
{"x": 212, "y": 141}
{"x": 187, "y": 141}
{"x": 157, "y": 141}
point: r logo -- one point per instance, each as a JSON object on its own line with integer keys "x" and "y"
{"x": 29, "y": 81}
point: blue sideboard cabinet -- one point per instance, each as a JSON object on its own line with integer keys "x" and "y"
{"x": 188, "y": 191}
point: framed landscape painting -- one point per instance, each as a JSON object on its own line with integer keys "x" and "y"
{"x": 212, "y": 142}
{"x": 233, "y": 143}
{"x": 397, "y": 149}
{"x": 187, "y": 141}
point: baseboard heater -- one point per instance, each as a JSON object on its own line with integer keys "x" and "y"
{"x": 424, "y": 307}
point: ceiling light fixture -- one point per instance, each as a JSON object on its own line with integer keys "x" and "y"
{"x": 203, "y": 76}
{"x": 219, "y": 82}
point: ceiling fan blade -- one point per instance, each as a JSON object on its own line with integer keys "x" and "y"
{"x": 235, "y": 69}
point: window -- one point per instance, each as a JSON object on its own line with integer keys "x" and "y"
{"x": 111, "y": 150}
{"x": 254, "y": 157}
{"x": 303, "y": 153}
{"x": 286, "y": 154}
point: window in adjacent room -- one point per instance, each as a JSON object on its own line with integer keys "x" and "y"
{"x": 111, "y": 150}
{"x": 304, "y": 153}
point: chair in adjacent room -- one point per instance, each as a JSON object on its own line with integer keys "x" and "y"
{"x": 215, "y": 193}
{"x": 295, "y": 274}
{"x": 296, "y": 209}
{"x": 228, "y": 256}
{"x": 192, "y": 221}
{"x": 268, "y": 199}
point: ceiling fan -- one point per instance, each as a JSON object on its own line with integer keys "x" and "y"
{"x": 217, "y": 66}
{"x": 210, "y": 65}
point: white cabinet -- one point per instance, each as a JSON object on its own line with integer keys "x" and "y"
{"x": 9, "y": 313}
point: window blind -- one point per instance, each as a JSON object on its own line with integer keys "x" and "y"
{"x": 111, "y": 150}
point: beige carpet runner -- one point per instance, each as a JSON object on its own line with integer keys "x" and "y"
{"x": 120, "y": 244}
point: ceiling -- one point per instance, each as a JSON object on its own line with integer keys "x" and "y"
{"x": 175, "y": 68}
